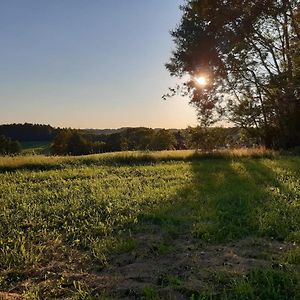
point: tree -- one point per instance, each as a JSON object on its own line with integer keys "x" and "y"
{"x": 163, "y": 140}
{"x": 249, "y": 51}
{"x": 72, "y": 142}
{"x": 180, "y": 140}
{"x": 8, "y": 146}
{"x": 77, "y": 144}
{"x": 60, "y": 142}
{"x": 207, "y": 139}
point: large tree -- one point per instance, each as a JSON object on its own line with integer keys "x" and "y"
{"x": 249, "y": 52}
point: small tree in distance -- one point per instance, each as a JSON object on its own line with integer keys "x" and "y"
{"x": 8, "y": 146}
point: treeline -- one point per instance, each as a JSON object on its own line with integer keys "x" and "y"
{"x": 205, "y": 139}
{"x": 139, "y": 139}
{"x": 28, "y": 132}
{"x": 79, "y": 142}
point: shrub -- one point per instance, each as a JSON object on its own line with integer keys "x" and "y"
{"x": 8, "y": 146}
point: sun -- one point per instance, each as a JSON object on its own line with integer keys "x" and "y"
{"x": 201, "y": 80}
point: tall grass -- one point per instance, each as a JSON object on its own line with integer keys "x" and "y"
{"x": 8, "y": 163}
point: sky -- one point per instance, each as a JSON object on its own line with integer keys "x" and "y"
{"x": 89, "y": 63}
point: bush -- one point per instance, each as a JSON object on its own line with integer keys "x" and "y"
{"x": 8, "y": 146}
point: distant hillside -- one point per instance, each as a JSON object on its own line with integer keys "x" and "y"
{"x": 28, "y": 132}
{"x": 109, "y": 131}
{"x": 104, "y": 131}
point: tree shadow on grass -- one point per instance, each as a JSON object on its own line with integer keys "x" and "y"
{"x": 234, "y": 199}
{"x": 227, "y": 202}
{"x": 220, "y": 204}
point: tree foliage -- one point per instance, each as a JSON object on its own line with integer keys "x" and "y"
{"x": 249, "y": 51}
{"x": 72, "y": 142}
{"x": 8, "y": 146}
{"x": 140, "y": 138}
{"x": 163, "y": 140}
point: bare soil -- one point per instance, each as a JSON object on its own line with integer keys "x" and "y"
{"x": 174, "y": 269}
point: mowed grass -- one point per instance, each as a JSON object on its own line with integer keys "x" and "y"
{"x": 95, "y": 207}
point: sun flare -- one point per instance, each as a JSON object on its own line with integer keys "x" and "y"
{"x": 201, "y": 80}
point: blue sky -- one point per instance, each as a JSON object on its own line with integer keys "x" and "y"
{"x": 89, "y": 63}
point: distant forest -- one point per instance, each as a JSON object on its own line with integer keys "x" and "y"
{"x": 28, "y": 132}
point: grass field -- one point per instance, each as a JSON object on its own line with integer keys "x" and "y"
{"x": 167, "y": 225}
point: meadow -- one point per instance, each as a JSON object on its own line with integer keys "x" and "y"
{"x": 164, "y": 225}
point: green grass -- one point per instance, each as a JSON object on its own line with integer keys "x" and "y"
{"x": 261, "y": 284}
{"x": 96, "y": 207}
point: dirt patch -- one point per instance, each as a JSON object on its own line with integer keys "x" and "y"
{"x": 9, "y": 296}
{"x": 187, "y": 268}
{"x": 173, "y": 269}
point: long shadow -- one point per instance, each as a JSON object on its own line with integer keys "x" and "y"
{"x": 279, "y": 211}
{"x": 141, "y": 160}
{"x": 234, "y": 199}
{"x": 215, "y": 205}
{"x": 227, "y": 200}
